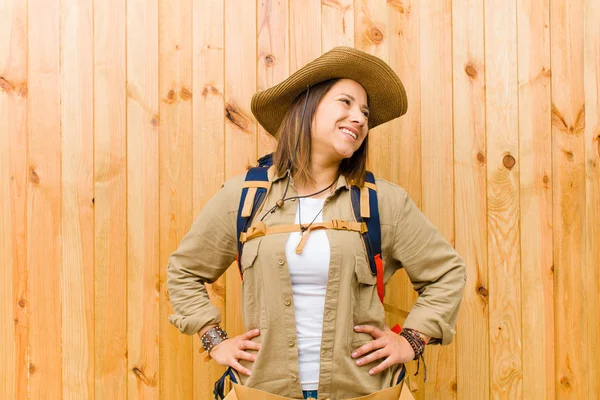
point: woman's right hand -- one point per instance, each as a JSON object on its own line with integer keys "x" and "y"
{"x": 230, "y": 351}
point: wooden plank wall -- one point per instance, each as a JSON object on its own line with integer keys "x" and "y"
{"x": 119, "y": 119}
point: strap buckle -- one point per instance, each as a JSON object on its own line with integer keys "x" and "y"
{"x": 340, "y": 225}
{"x": 258, "y": 230}
{"x": 363, "y": 228}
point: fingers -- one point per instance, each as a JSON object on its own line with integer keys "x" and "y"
{"x": 376, "y": 355}
{"x": 371, "y": 330}
{"x": 249, "y": 345}
{"x": 239, "y": 368}
{"x": 243, "y": 355}
{"x": 250, "y": 334}
{"x": 367, "y": 348}
{"x": 383, "y": 365}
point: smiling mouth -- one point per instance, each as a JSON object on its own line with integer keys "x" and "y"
{"x": 349, "y": 133}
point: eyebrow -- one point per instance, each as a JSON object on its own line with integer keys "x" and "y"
{"x": 366, "y": 107}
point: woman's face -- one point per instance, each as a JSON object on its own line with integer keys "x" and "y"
{"x": 340, "y": 123}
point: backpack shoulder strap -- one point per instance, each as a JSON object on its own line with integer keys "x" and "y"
{"x": 254, "y": 191}
{"x": 365, "y": 208}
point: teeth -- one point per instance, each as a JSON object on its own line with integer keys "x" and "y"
{"x": 348, "y": 132}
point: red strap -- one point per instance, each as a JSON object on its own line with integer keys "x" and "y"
{"x": 397, "y": 329}
{"x": 380, "y": 285}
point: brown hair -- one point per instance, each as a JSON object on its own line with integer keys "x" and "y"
{"x": 353, "y": 168}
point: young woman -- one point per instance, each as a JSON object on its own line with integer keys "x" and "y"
{"x": 315, "y": 325}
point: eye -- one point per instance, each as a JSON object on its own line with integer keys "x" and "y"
{"x": 346, "y": 101}
{"x": 366, "y": 114}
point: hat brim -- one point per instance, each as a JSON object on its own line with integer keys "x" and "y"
{"x": 385, "y": 92}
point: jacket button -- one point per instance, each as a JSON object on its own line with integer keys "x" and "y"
{"x": 291, "y": 343}
{"x": 280, "y": 261}
{"x": 287, "y": 302}
{"x": 294, "y": 379}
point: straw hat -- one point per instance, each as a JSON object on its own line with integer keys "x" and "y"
{"x": 385, "y": 92}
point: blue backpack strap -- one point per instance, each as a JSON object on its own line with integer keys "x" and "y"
{"x": 219, "y": 387}
{"x": 266, "y": 161}
{"x": 253, "y": 195}
{"x": 370, "y": 215}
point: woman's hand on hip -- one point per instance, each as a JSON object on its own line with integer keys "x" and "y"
{"x": 393, "y": 348}
{"x": 230, "y": 351}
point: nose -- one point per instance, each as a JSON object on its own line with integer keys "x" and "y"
{"x": 357, "y": 117}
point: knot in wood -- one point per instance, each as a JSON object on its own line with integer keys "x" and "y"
{"x": 481, "y": 157}
{"x": 269, "y": 60}
{"x": 509, "y": 161}
{"x": 185, "y": 94}
{"x": 471, "y": 71}
{"x": 375, "y": 35}
{"x": 482, "y": 291}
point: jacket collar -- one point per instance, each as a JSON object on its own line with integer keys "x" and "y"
{"x": 341, "y": 182}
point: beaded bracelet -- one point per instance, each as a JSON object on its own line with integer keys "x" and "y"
{"x": 418, "y": 335}
{"x": 418, "y": 345}
{"x": 414, "y": 342}
{"x": 213, "y": 337}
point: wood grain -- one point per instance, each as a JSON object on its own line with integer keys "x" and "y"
{"x": 568, "y": 164}
{"x": 110, "y": 199}
{"x": 119, "y": 119}
{"x": 176, "y": 173}
{"x": 208, "y": 143}
{"x": 240, "y": 125}
{"x": 504, "y": 267}
{"x": 591, "y": 250}
{"x": 273, "y": 49}
{"x": 337, "y": 24}
{"x": 14, "y": 302}
{"x": 305, "y": 32}
{"x": 437, "y": 159}
{"x": 535, "y": 149}
{"x": 470, "y": 187}
{"x": 405, "y": 138}
{"x": 77, "y": 267}
{"x": 142, "y": 200}
{"x": 44, "y": 231}
{"x": 404, "y": 55}
{"x": 371, "y": 36}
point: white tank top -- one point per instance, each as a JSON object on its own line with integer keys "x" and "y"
{"x": 308, "y": 272}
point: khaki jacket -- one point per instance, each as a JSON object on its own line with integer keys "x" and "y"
{"x": 409, "y": 241}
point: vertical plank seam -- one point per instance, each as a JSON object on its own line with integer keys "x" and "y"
{"x": 92, "y": 345}
{"x": 453, "y": 174}
{"x": 487, "y": 209}
{"x": 193, "y": 100}
{"x": 156, "y": 179}
{"x": 191, "y": 161}
{"x": 127, "y": 352}
{"x": 552, "y": 147}
{"x": 60, "y": 213}
{"x": 159, "y": 128}
{"x": 224, "y": 124}
{"x": 27, "y": 214}
{"x": 519, "y": 215}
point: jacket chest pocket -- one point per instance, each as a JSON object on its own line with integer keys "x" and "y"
{"x": 367, "y": 308}
{"x": 253, "y": 310}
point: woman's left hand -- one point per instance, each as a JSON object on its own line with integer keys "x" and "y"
{"x": 386, "y": 344}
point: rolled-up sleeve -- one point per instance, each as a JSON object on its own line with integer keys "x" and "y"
{"x": 203, "y": 255}
{"x": 435, "y": 269}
